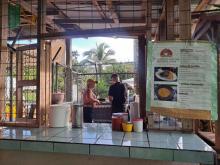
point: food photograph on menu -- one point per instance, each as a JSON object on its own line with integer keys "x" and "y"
{"x": 165, "y": 92}
{"x": 165, "y": 74}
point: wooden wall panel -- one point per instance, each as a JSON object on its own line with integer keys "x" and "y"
{"x": 3, "y": 50}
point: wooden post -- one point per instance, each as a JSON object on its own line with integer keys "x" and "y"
{"x": 142, "y": 59}
{"x": 48, "y": 78}
{"x": 217, "y": 123}
{"x": 166, "y": 22}
{"x": 185, "y": 19}
{"x": 3, "y": 51}
{"x": 185, "y": 34}
{"x": 162, "y": 30}
{"x": 19, "y": 72}
{"x": 42, "y": 97}
{"x": 68, "y": 85}
{"x": 136, "y": 79}
{"x": 142, "y": 74}
{"x": 169, "y": 19}
{"x": 148, "y": 20}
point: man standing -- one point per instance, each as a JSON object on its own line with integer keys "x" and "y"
{"x": 117, "y": 94}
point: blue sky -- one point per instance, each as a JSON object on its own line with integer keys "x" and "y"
{"x": 124, "y": 48}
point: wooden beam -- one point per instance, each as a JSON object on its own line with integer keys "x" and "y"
{"x": 99, "y": 9}
{"x": 202, "y": 31}
{"x": 185, "y": 19}
{"x": 114, "y": 15}
{"x": 71, "y": 27}
{"x": 27, "y": 47}
{"x": 142, "y": 74}
{"x": 48, "y": 78}
{"x": 198, "y": 26}
{"x": 161, "y": 22}
{"x": 3, "y": 52}
{"x": 170, "y": 22}
{"x": 101, "y": 2}
{"x": 185, "y": 34}
{"x": 148, "y": 21}
{"x": 107, "y": 32}
{"x": 75, "y": 27}
{"x": 162, "y": 30}
{"x": 19, "y": 75}
{"x": 202, "y": 5}
{"x": 201, "y": 23}
{"x": 144, "y": 9}
{"x": 41, "y": 65}
{"x": 25, "y": 83}
{"x": 69, "y": 78}
{"x": 32, "y": 10}
{"x": 52, "y": 12}
{"x": 18, "y": 33}
{"x": 217, "y": 123}
{"x": 122, "y": 20}
{"x": 58, "y": 9}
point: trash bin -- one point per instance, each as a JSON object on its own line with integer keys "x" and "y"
{"x": 77, "y": 115}
{"x": 58, "y": 115}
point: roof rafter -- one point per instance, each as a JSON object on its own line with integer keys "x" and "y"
{"x": 201, "y": 6}
{"x": 100, "y": 11}
{"x": 32, "y": 10}
{"x": 114, "y": 15}
{"x": 64, "y": 15}
{"x": 144, "y": 8}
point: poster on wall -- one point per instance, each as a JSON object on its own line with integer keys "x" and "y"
{"x": 182, "y": 79}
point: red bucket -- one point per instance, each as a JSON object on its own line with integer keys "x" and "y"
{"x": 117, "y": 123}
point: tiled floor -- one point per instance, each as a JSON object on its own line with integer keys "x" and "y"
{"x": 99, "y": 139}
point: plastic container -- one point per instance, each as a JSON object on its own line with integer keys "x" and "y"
{"x": 138, "y": 125}
{"x": 77, "y": 115}
{"x": 57, "y": 98}
{"x": 117, "y": 123}
{"x": 124, "y": 116}
{"x": 127, "y": 127}
{"x": 58, "y": 115}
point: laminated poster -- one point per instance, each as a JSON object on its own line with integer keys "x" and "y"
{"x": 182, "y": 79}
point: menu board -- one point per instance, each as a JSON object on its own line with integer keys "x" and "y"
{"x": 182, "y": 79}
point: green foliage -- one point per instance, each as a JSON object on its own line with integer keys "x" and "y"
{"x": 99, "y": 55}
{"x": 102, "y": 88}
{"x": 60, "y": 79}
{"x": 30, "y": 95}
{"x": 30, "y": 73}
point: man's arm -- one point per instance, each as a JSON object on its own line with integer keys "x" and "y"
{"x": 110, "y": 95}
{"x": 110, "y": 98}
{"x": 125, "y": 91}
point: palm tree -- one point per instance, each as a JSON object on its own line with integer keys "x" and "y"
{"x": 98, "y": 56}
{"x": 75, "y": 55}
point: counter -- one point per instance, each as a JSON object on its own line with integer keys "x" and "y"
{"x": 99, "y": 140}
{"x": 102, "y": 113}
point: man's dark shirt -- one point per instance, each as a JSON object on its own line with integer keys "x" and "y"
{"x": 119, "y": 94}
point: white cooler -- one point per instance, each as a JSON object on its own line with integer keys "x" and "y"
{"x": 59, "y": 115}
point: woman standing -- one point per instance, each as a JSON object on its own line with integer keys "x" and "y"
{"x": 89, "y": 101}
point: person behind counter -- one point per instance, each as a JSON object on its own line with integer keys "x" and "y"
{"x": 89, "y": 101}
{"x": 117, "y": 94}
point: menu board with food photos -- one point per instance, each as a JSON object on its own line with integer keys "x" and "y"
{"x": 182, "y": 79}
